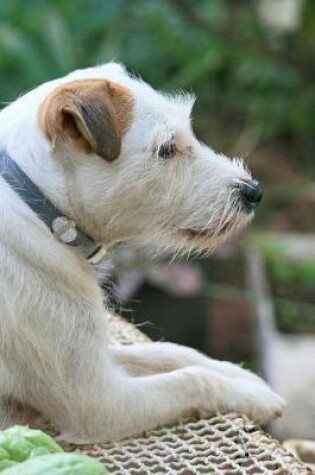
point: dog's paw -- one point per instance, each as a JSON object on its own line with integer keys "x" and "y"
{"x": 214, "y": 392}
{"x": 256, "y": 400}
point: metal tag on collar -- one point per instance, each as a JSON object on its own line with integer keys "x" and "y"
{"x": 97, "y": 255}
{"x": 64, "y": 229}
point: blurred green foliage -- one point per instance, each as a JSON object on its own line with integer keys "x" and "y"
{"x": 216, "y": 48}
{"x": 291, "y": 279}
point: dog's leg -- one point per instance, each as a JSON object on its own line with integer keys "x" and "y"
{"x": 132, "y": 405}
{"x": 151, "y": 358}
{"x": 64, "y": 369}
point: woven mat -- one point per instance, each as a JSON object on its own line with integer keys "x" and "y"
{"x": 227, "y": 445}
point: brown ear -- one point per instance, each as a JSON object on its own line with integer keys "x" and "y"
{"x": 92, "y": 113}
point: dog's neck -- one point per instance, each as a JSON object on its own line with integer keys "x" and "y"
{"x": 25, "y": 144}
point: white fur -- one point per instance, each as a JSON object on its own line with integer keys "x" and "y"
{"x": 54, "y": 354}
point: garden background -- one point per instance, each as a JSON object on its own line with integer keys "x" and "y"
{"x": 251, "y": 64}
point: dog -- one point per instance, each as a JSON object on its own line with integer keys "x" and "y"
{"x": 116, "y": 160}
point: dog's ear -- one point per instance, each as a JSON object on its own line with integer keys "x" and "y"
{"x": 94, "y": 114}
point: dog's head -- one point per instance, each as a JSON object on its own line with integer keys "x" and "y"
{"x": 133, "y": 166}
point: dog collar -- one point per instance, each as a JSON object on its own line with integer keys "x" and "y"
{"x": 63, "y": 228}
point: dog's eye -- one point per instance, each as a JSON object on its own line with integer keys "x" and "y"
{"x": 167, "y": 150}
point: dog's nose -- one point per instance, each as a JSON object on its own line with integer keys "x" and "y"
{"x": 251, "y": 192}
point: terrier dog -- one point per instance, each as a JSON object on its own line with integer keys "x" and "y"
{"x": 98, "y": 156}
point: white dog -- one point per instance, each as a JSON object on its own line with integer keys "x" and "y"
{"x": 117, "y": 160}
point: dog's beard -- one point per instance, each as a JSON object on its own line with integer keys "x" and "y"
{"x": 206, "y": 241}
{"x": 194, "y": 233}
{"x": 202, "y": 237}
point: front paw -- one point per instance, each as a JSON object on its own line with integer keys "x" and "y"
{"x": 256, "y": 400}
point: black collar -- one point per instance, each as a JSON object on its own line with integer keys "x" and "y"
{"x": 63, "y": 228}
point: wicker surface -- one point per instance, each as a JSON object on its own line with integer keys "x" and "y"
{"x": 227, "y": 445}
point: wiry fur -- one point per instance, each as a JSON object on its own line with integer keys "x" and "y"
{"x": 54, "y": 354}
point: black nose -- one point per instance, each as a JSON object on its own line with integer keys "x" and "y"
{"x": 251, "y": 192}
